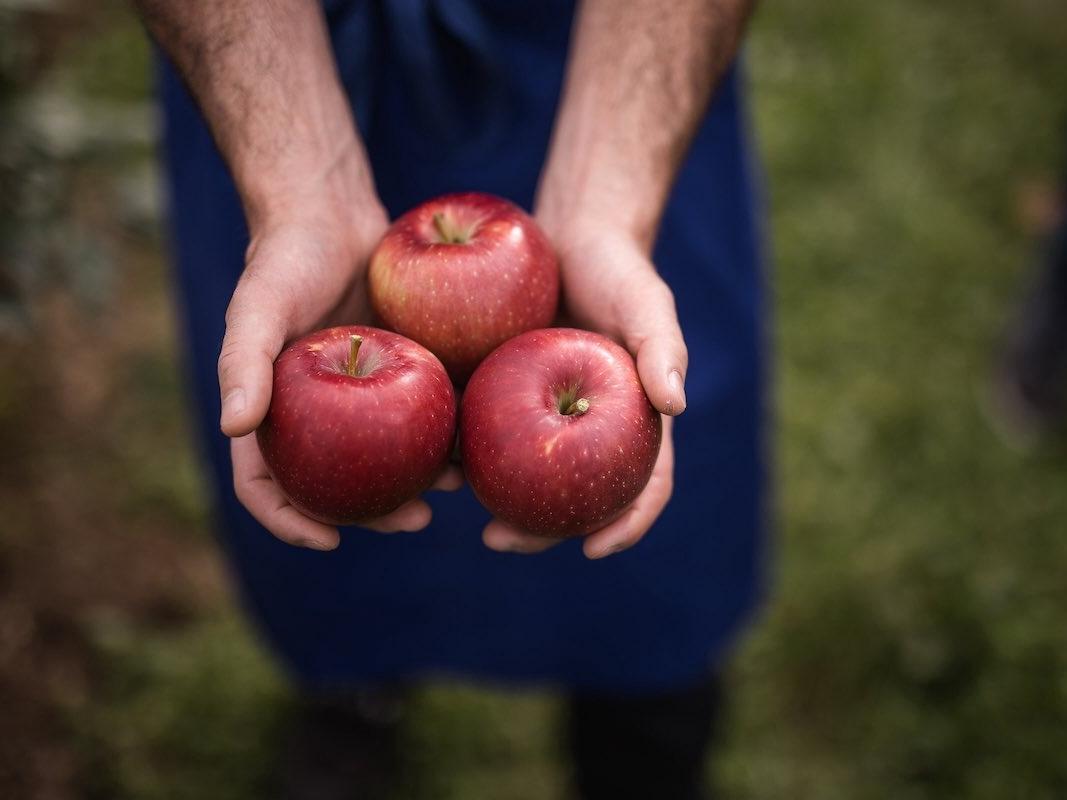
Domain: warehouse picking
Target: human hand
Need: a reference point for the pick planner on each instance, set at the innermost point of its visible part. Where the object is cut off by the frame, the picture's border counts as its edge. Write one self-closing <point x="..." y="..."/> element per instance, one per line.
<point x="611" y="286"/>
<point x="304" y="269"/>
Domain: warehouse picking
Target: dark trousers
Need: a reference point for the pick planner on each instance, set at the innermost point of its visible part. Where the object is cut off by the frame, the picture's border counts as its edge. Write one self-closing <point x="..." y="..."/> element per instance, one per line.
<point x="644" y="748"/>
<point x="346" y="745"/>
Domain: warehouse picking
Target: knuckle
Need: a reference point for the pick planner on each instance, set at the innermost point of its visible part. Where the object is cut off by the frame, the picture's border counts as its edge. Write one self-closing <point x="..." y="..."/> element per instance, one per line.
<point x="683" y="352"/>
<point x="664" y="292"/>
<point x="228" y="358"/>
<point x="257" y="291"/>
<point x="233" y="310"/>
<point x="659" y="292"/>
<point x="239" y="300"/>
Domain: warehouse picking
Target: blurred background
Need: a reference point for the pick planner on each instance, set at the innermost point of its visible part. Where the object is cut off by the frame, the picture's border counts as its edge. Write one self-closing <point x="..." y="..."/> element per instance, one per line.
<point x="916" y="642"/>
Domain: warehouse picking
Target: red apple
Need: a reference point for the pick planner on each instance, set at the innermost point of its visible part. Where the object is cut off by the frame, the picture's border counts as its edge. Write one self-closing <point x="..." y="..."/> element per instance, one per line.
<point x="461" y="275"/>
<point x="556" y="432"/>
<point x="361" y="420"/>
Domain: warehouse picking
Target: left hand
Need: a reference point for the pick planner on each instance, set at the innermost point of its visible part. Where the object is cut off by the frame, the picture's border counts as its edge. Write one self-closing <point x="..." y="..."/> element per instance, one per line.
<point x="611" y="286"/>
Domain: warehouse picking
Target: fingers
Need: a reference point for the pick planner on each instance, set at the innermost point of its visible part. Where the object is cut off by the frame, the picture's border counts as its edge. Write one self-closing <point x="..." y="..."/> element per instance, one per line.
<point x="621" y="534"/>
<point x="258" y="492"/>
<point x="652" y="333"/>
<point x="629" y="529"/>
<point x="264" y="500"/>
<point x="450" y="480"/>
<point x="661" y="365"/>
<point x="414" y="515"/>
<point x="503" y="538"/>
<point x="255" y="332"/>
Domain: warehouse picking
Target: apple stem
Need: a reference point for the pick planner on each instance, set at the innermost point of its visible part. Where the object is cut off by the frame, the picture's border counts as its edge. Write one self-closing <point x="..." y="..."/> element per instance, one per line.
<point x="446" y="231"/>
<point x="354" y="341"/>
<point x="577" y="408"/>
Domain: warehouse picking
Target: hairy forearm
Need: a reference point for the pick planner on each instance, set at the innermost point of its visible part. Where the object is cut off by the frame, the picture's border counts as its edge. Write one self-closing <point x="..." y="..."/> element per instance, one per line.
<point x="263" y="74"/>
<point x="639" y="79"/>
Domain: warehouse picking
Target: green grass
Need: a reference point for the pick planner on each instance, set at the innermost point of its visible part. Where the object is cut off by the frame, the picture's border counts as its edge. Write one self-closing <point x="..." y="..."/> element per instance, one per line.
<point x="191" y="714"/>
<point x="912" y="649"/>
<point x="915" y="645"/>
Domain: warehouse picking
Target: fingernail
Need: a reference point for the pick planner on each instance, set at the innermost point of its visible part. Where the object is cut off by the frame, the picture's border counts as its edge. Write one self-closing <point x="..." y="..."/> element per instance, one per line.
<point x="677" y="385"/>
<point x="315" y="544"/>
<point x="233" y="404"/>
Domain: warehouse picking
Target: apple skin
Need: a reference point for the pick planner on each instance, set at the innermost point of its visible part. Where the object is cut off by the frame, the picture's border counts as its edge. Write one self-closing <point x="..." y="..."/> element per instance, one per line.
<point x="462" y="300"/>
<point x="348" y="448"/>
<point x="544" y="471"/>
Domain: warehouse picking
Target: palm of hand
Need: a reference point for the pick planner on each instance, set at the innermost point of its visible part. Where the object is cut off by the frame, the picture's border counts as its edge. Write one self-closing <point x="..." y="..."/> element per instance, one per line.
<point x="299" y="277"/>
<point x="610" y="286"/>
<point x="294" y="276"/>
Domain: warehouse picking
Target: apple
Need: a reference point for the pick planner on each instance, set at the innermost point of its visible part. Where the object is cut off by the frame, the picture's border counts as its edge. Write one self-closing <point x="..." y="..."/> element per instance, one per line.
<point x="462" y="274"/>
<point x="361" y="420"/>
<point x="556" y="433"/>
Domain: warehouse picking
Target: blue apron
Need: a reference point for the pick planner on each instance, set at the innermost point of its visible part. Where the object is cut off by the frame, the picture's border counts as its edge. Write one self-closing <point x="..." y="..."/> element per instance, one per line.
<point x="461" y="94"/>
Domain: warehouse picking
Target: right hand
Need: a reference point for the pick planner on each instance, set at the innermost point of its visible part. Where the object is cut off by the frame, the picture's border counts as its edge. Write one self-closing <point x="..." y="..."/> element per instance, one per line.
<point x="304" y="270"/>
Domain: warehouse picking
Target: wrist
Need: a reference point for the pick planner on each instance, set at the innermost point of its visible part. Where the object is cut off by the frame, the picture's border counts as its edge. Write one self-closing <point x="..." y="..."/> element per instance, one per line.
<point x="578" y="227"/>
<point x="576" y="209"/>
<point x="336" y="183"/>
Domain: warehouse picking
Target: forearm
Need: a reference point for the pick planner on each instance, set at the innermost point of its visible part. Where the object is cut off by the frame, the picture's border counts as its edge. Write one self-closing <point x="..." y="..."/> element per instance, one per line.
<point x="638" y="82"/>
<point x="264" y="77"/>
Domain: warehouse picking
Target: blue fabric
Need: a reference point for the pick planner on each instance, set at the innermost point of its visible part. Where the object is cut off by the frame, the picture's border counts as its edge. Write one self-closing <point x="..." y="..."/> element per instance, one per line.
<point x="454" y="95"/>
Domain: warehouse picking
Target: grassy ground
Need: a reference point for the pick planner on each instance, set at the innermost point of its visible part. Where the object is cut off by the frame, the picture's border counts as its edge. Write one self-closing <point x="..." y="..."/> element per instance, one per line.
<point x="915" y="646"/>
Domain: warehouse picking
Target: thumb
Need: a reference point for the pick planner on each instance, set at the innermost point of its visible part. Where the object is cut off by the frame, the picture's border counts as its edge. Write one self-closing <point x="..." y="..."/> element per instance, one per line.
<point x="654" y="337"/>
<point x="255" y="332"/>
